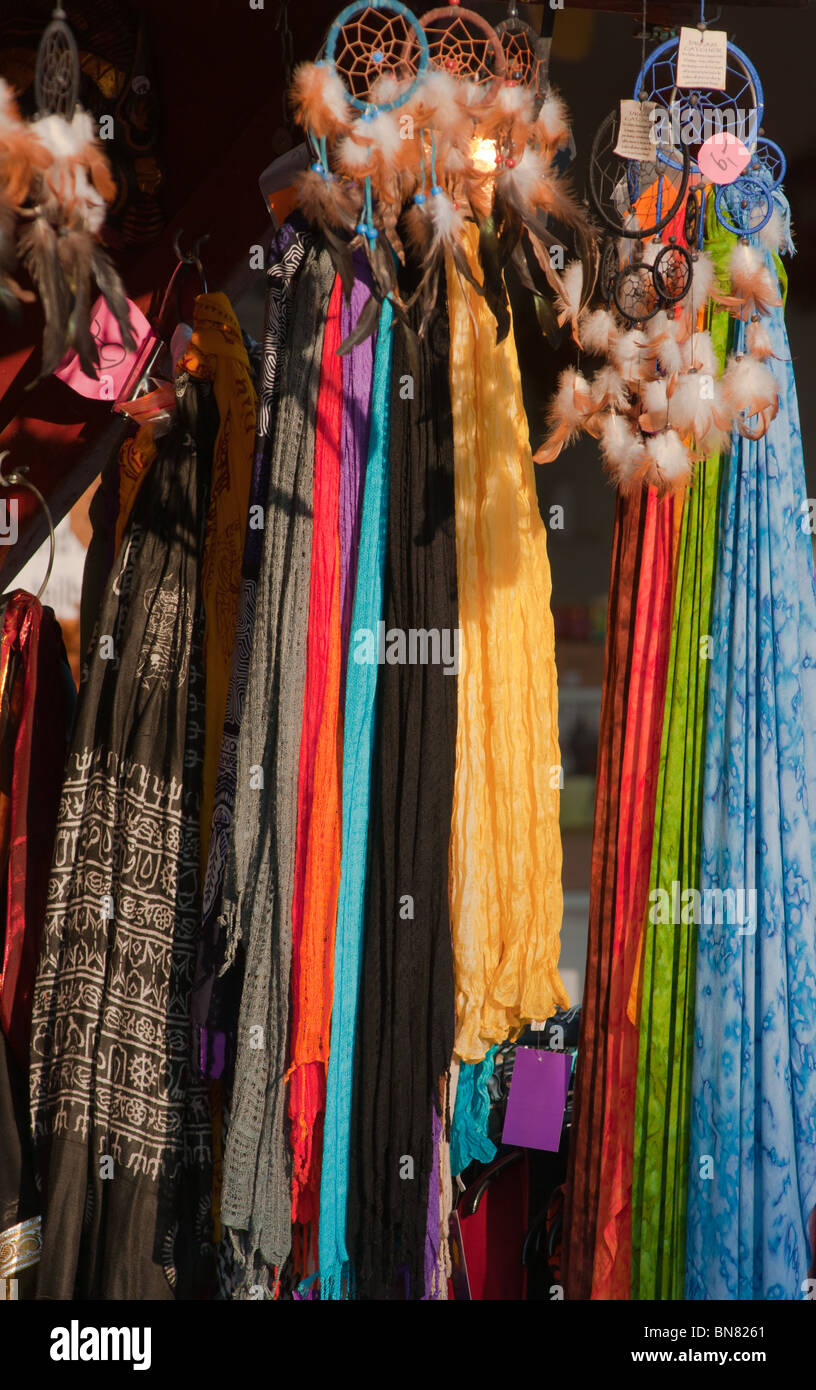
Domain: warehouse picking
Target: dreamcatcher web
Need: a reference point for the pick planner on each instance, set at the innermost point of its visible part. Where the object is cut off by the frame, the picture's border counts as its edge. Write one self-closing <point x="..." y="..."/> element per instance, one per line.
<point x="463" y="44"/>
<point x="371" y="43"/>
<point x="56" y="76"/>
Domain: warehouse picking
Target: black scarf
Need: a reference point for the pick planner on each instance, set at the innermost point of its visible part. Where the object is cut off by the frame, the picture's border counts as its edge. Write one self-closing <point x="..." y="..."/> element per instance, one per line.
<point x="121" y="1124"/>
<point x="406" y="1014"/>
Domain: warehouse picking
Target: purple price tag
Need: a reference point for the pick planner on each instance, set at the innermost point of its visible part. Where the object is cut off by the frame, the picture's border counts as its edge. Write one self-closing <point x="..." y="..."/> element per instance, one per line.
<point x="538" y="1094"/>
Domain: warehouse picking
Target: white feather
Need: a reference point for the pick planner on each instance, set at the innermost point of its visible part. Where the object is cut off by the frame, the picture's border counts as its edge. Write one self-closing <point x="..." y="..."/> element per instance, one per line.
<point x="699" y="352"/>
<point x="670" y="464"/>
<point x="607" y="389"/>
<point x="354" y="157"/>
<point x="627" y="353"/>
<point x="524" y="180"/>
<point x="695" y="404"/>
<point x="704" y="280"/>
<point x="751" y="277"/>
<point x="552" y="122"/>
<point x="447" y="219"/>
<point x="758" y="340"/>
<point x="670" y="353"/>
<point x="438" y="92"/>
<point x="598" y="331"/>
<point x="381" y="131"/>
<point x="568" y="300"/>
<point x="572" y="401"/>
<point x="623" y="450"/>
<point x="654" y="398"/>
<point x="748" y="385"/>
<point x="774" y="235"/>
<point x="514" y="103"/>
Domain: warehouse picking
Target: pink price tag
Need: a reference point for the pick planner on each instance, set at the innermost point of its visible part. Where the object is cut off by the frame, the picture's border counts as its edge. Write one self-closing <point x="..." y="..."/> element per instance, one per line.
<point x="722" y="157"/>
<point x="115" y="362"/>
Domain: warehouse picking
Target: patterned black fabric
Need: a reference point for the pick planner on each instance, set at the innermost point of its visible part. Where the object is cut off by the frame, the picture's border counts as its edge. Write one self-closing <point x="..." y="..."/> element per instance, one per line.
<point x="121" y="1122"/>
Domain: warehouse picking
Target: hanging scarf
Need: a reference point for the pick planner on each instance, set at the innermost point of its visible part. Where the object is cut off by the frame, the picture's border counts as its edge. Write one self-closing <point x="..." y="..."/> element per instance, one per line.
<point x="752" y="1149"/>
<point x="317" y="856"/>
<point x="286" y="258"/>
<point x="635" y="829"/>
<point x="406" y="1019"/>
<point x="506" y="907"/>
<point x="36" y="703"/>
<point x="216" y="353"/>
<point x="37" y="706"/>
<point x="589" y="1115"/>
<point x="112" y="1092"/>
<point x="666" y="973"/>
<point x="358" y="368"/>
<point x="358" y="747"/>
<point x="259" y="875"/>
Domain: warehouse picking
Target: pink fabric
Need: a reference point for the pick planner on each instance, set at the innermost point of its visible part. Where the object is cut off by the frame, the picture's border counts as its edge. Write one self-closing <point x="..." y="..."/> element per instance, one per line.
<point x="638" y="786"/>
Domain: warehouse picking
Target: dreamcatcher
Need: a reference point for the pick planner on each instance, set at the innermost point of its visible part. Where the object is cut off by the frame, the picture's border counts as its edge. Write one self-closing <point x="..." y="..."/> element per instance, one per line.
<point x="660" y="401"/>
<point x="417" y="126"/>
<point x="55" y="184"/>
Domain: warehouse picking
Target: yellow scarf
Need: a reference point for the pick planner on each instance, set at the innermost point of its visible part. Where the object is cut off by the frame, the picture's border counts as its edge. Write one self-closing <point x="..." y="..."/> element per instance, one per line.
<point x="216" y="353"/>
<point x="505" y="849"/>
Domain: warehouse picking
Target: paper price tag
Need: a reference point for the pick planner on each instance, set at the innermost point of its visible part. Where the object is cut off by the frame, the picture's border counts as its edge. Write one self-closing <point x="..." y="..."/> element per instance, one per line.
<point x="636" y="137"/>
<point x="722" y="158"/>
<point x="702" y="58"/>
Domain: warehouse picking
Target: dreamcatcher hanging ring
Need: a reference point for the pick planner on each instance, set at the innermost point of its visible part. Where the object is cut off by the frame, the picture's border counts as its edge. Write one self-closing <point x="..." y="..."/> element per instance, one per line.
<point x="463" y="44"/>
<point x="635" y="293"/>
<point x="525" y="63"/>
<point x="740" y="220"/>
<point x="609" y="268"/>
<point x="672" y="271"/>
<point x="691" y="226"/>
<point x="769" y="159"/>
<point x="368" y="41"/>
<point x="57" y="72"/>
<point x="635" y="198"/>
<point x="743" y="96"/>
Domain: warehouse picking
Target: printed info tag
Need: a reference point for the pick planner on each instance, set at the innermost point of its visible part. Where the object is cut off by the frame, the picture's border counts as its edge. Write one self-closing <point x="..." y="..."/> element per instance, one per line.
<point x="636" y="138"/>
<point x="702" y="58"/>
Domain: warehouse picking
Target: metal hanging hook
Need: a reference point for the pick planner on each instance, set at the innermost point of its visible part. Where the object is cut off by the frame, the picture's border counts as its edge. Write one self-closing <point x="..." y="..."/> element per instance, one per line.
<point x="194" y="257"/>
<point x="17" y="479"/>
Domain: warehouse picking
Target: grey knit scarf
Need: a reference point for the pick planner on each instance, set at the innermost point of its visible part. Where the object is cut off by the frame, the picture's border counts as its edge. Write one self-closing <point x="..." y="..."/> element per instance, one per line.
<point x="257" y="902"/>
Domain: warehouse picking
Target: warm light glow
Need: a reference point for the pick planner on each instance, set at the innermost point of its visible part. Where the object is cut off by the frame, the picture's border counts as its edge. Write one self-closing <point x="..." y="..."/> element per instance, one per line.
<point x="483" y="155"/>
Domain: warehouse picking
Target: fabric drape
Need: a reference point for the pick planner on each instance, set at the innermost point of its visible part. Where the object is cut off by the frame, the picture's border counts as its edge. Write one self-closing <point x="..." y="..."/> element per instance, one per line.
<point x="358" y="747"/>
<point x="635" y="827"/>
<point x="358" y="369"/>
<point x="582" y="1192"/>
<point x="666" y="979"/>
<point x="259" y="875"/>
<point x="317" y="857"/>
<point x="121" y="1123"/>
<point x="752" y="1148"/>
<point x="506" y="906"/>
<point x="286" y="258"/>
<point x="406" y="1014"/>
<point x="216" y="353"/>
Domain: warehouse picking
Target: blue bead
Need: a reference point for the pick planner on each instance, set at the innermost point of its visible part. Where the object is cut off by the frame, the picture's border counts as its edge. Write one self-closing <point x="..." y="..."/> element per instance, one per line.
<point x="361" y="227"/>
<point x="419" y="198"/>
<point x="436" y="188"/>
<point x="317" y="167"/>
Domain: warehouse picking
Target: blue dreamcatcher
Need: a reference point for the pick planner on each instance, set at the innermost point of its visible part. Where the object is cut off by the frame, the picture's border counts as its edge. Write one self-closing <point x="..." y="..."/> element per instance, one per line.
<point x="690" y="115"/>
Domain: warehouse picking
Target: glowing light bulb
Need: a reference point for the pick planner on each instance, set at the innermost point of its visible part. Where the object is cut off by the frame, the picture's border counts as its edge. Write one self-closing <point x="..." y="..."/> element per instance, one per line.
<point x="483" y="155"/>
